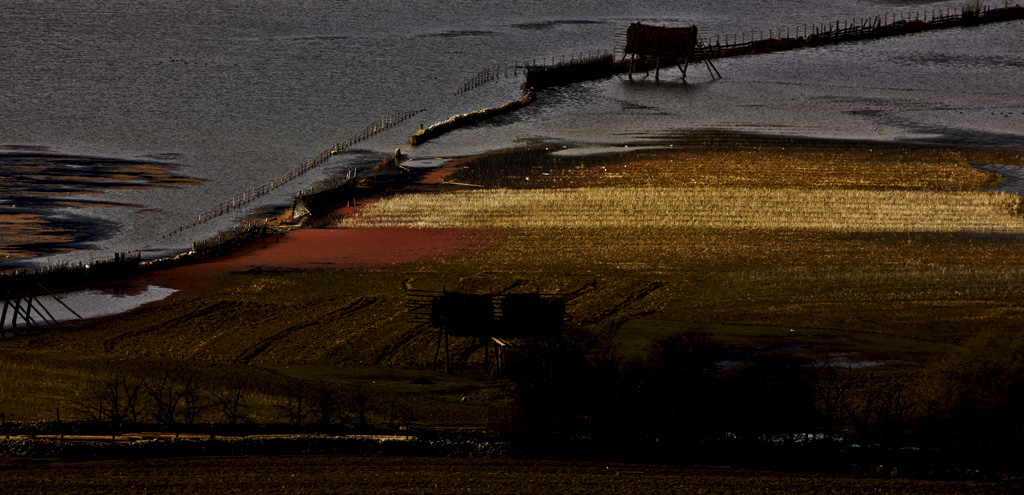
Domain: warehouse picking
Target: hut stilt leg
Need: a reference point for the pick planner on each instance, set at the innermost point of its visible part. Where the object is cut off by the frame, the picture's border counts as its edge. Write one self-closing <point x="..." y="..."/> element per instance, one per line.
<point x="447" y="358"/>
<point x="16" y="307"/>
<point x="437" y="352"/>
<point x="711" y="67"/>
<point x="487" y="352"/>
<point x="3" y="315"/>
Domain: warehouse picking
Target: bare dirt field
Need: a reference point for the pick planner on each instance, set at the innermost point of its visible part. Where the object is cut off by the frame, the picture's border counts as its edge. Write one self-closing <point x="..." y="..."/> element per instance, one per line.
<point x="385" y="475"/>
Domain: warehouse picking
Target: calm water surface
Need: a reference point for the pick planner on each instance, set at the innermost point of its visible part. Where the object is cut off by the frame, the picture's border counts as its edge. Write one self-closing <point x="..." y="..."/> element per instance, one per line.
<point x="239" y="92"/>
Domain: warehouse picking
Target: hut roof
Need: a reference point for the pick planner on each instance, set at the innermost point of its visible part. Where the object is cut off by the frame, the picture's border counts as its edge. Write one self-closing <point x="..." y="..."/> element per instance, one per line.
<point x="661" y="41"/>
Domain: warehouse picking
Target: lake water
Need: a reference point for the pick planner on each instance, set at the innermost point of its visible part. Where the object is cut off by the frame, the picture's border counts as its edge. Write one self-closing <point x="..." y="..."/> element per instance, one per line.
<point x="236" y="93"/>
<point x="85" y="304"/>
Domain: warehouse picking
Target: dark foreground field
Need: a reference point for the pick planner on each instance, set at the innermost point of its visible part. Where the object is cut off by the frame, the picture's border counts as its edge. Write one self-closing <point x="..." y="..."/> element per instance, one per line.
<point x="384" y="475"/>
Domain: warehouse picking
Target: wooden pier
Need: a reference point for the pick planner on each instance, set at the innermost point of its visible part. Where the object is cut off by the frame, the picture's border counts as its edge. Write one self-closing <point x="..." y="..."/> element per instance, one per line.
<point x="22" y="305"/>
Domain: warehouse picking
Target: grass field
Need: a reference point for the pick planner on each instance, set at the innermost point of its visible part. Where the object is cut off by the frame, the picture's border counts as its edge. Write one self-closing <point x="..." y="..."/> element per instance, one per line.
<point x="879" y="253"/>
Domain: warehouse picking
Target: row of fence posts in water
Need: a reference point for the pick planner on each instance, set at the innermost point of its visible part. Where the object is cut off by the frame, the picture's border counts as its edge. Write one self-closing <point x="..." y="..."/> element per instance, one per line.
<point x="490" y="74"/>
<point x="65" y="274"/>
<point x="837" y="29"/>
<point x="514" y="69"/>
<point x="485" y="76"/>
<point x="252" y="194"/>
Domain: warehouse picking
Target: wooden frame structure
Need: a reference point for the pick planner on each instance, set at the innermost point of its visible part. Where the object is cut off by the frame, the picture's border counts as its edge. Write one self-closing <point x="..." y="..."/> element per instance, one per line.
<point x="21" y="303"/>
<point x="678" y="44"/>
<point x="498" y="321"/>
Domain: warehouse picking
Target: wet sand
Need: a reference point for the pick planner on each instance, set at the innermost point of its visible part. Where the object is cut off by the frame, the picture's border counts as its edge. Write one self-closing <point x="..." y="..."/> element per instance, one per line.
<point x="40" y="185"/>
<point x="22" y="232"/>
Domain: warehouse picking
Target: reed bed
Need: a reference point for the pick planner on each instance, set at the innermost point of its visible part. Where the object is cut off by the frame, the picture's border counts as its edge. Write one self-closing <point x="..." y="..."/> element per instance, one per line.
<point x="839" y="210"/>
<point x="715" y="159"/>
<point x="945" y="170"/>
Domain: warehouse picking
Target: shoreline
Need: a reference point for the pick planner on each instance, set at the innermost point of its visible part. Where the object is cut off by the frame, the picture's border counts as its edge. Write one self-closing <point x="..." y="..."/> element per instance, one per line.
<point x="26" y="258"/>
<point x="306" y="244"/>
<point x="284" y="245"/>
<point x="276" y="246"/>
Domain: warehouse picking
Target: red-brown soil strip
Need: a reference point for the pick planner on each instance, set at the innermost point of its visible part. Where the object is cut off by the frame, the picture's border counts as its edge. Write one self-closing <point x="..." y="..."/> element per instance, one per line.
<point x="325" y="249"/>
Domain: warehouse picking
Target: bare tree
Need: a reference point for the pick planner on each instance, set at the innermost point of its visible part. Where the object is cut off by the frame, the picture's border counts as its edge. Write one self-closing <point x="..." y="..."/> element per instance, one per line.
<point x="162" y="392"/>
<point x="194" y="401"/>
<point x="297" y="407"/>
<point x="325" y="406"/>
<point x="233" y="400"/>
<point x="176" y="396"/>
<point x="362" y="400"/>
<point x="835" y="389"/>
<point x="114" y="400"/>
<point x="403" y="414"/>
<point x="887" y="409"/>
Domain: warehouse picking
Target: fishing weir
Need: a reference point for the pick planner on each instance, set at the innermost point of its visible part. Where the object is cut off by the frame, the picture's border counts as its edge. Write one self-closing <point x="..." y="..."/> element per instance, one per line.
<point x="849" y="30"/>
<point x="640" y="48"/>
<point x="680" y="42"/>
<point x="644" y="47"/>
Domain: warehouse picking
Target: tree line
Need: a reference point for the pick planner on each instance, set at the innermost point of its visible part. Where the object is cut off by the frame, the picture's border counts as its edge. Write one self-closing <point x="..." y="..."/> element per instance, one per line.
<point x="688" y="400"/>
<point x="179" y="398"/>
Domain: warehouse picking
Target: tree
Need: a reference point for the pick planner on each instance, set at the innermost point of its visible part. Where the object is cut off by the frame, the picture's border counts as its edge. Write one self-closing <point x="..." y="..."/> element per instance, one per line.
<point x="678" y="396"/>
<point x="772" y="397"/>
<point x="233" y="399"/>
<point x="297" y="407"/>
<point x="887" y="410"/>
<point x="976" y="398"/>
<point x="163" y="394"/>
<point x="558" y="385"/>
<point x="113" y="400"/>
<point x="325" y="406"/>
<point x="362" y="401"/>
<point x="835" y="391"/>
<point x="176" y="395"/>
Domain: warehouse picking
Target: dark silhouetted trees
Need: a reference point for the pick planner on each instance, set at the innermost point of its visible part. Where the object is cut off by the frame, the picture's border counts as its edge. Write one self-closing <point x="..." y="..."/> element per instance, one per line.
<point x="975" y="399"/>
<point x="674" y="394"/>
<point x="114" y="401"/>
<point x="771" y="397"/>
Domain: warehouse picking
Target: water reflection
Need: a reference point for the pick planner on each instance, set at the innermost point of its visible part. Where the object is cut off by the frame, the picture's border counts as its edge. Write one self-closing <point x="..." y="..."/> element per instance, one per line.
<point x="91" y="303"/>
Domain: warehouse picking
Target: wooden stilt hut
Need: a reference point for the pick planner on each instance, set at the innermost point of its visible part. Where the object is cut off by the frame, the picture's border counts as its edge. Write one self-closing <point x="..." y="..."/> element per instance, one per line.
<point x="661" y="44"/>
